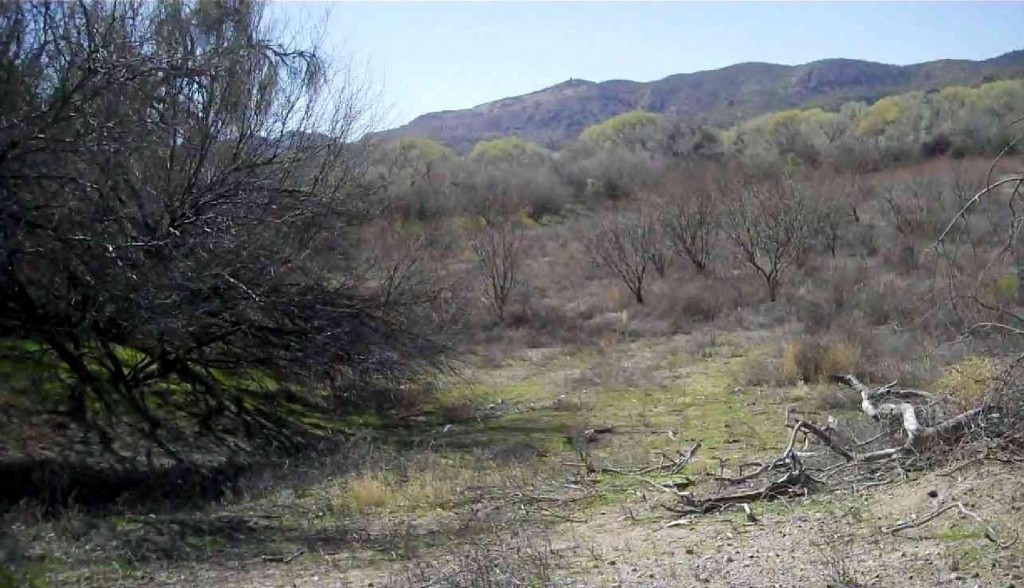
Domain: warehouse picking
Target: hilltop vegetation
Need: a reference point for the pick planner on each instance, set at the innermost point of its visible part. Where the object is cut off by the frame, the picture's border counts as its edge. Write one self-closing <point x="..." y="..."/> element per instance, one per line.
<point x="632" y="152"/>
<point x="555" y="116"/>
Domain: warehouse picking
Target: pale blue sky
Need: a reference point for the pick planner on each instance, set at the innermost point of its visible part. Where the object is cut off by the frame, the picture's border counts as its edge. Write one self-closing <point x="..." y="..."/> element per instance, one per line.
<point x="429" y="56"/>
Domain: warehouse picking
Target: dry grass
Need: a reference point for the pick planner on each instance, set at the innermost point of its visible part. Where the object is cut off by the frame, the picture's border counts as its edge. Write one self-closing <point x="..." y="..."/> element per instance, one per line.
<point x="456" y="407"/>
<point x="509" y="559"/>
<point x="363" y="494"/>
<point x="812" y="360"/>
<point x="428" y="481"/>
<point x="966" y="383"/>
<point x="444" y="506"/>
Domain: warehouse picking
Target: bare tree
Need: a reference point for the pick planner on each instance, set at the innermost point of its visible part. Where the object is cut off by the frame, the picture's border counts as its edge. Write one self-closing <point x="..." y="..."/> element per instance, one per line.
<point x="692" y="218"/>
<point x="626" y="244"/>
<point x="497" y="248"/>
<point x="836" y="199"/>
<point x="771" y="222"/>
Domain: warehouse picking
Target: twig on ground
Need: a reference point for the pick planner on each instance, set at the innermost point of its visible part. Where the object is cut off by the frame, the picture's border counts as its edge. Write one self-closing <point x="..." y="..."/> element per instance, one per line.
<point x="281" y="558"/>
<point x="990" y="533"/>
<point x="952" y="470"/>
<point x="675" y="466"/>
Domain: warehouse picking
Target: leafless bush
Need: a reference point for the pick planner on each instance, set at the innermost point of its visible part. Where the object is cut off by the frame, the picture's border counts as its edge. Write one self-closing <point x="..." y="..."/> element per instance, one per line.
<point x="833" y="549"/>
<point x="497" y="249"/>
<point x="691" y="220"/>
<point x="696" y="299"/>
<point x="626" y="244"/>
<point x="837" y="199"/>
<point x="771" y="222"/>
<point x="983" y="289"/>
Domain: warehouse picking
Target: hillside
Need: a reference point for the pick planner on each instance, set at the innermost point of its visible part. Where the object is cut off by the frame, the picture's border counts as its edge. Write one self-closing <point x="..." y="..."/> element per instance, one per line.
<point x="556" y="115"/>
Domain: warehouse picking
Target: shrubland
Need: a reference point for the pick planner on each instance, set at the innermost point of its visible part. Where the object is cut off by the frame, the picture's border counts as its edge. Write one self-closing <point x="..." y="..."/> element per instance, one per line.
<point x="203" y="269"/>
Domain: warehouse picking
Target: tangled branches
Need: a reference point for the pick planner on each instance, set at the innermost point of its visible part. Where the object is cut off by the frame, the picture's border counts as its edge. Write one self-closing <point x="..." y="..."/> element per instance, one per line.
<point x="920" y="427"/>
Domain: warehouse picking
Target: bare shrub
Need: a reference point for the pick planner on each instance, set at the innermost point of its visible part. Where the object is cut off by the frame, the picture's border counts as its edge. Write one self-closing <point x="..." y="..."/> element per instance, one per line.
<point x="401" y="263"/>
<point x="888" y="355"/>
<point x="691" y="220"/>
<point x="889" y="300"/>
<point x="838" y="199"/>
<point x="497" y="249"/>
<point x="836" y="399"/>
<point x="760" y="371"/>
<point x="1007" y="395"/>
<point x="696" y="299"/>
<point x="771" y="223"/>
<point x="827" y="296"/>
<point x="456" y="409"/>
<point x="833" y="551"/>
<point x="702" y="301"/>
<point x="626" y="244"/>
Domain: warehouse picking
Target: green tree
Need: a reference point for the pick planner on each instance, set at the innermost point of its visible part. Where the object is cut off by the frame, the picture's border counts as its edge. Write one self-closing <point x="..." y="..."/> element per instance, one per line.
<point x="636" y="131"/>
<point x="508" y="151"/>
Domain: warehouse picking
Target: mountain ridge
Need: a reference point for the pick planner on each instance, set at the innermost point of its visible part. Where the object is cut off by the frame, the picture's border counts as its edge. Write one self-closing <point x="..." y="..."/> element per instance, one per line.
<point x="555" y="115"/>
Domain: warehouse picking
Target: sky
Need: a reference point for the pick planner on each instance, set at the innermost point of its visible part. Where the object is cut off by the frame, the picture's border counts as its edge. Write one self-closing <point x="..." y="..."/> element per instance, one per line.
<point x="428" y="56"/>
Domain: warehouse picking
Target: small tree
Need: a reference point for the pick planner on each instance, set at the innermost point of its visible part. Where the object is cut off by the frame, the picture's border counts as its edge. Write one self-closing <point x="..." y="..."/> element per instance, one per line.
<point x="771" y="222"/>
<point x="692" y="220"/>
<point x="627" y="245"/>
<point x="497" y="248"/>
<point x="836" y="199"/>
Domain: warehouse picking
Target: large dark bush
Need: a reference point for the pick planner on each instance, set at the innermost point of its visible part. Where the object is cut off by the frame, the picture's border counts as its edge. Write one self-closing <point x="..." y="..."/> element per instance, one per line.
<point x="178" y="193"/>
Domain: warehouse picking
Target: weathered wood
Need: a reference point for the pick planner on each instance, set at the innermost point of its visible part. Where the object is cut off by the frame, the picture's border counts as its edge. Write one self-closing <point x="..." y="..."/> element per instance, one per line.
<point x="917" y="434"/>
<point x="794" y="483"/>
<point x="885" y="402"/>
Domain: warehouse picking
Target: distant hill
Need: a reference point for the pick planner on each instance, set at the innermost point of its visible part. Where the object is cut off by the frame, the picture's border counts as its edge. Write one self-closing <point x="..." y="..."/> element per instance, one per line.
<point x="556" y="115"/>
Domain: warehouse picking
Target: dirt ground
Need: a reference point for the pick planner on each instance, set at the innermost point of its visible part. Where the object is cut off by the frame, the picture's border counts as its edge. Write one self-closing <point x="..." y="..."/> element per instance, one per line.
<point x="805" y="543"/>
<point x="499" y="498"/>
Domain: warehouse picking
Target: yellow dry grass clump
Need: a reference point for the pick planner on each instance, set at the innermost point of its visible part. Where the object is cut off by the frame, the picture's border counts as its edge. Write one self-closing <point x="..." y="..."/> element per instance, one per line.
<point x="967" y="382"/>
<point x="363" y="494"/>
<point x="428" y="483"/>
<point x="813" y="360"/>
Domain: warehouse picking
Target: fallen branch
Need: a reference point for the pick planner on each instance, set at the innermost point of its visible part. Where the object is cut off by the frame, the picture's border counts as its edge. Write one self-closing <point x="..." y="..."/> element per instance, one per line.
<point x="917" y="434"/>
<point x="673" y="488"/>
<point x="990" y="533"/>
<point x="824" y="438"/>
<point x="283" y="559"/>
<point x="794" y="483"/>
<point x="673" y="468"/>
<point x="676" y="466"/>
<point x="887" y="465"/>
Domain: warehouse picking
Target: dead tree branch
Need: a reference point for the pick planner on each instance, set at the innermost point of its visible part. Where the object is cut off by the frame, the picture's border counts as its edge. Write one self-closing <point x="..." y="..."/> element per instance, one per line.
<point x="917" y="434"/>
<point x="990" y="533"/>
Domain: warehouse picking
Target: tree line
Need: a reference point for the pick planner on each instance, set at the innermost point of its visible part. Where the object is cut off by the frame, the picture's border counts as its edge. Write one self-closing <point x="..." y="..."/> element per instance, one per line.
<point x="632" y="152"/>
